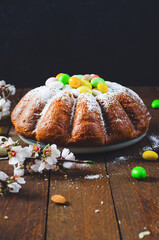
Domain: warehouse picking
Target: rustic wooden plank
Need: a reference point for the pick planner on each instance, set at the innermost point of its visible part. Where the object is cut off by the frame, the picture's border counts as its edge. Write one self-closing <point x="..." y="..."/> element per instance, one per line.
<point x="136" y="202"/>
<point x="26" y="210"/>
<point x="28" y="219"/>
<point x="78" y="219"/>
<point x="149" y="94"/>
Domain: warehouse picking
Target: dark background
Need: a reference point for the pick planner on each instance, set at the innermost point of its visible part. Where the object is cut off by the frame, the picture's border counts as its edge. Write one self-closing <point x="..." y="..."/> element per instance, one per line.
<point x="118" y="40"/>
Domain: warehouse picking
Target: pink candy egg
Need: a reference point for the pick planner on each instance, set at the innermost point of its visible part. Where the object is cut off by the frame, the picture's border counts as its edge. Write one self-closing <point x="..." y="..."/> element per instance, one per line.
<point x="50" y="80"/>
<point x="94" y="76"/>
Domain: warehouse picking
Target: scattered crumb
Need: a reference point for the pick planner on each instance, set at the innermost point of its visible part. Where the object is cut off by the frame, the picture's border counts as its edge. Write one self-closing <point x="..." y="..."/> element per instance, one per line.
<point x="46" y="179"/>
<point x="119" y="159"/>
<point x="145" y="227"/>
<point x="143" y="234"/>
<point x="107" y="176"/>
<point x="146" y="148"/>
<point x="154" y="141"/>
<point x="101" y="202"/>
<point x="119" y="222"/>
<point x="6" y="217"/>
<point x="76" y="187"/>
<point x="93" y="176"/>
<point x="97" y="186"/>
<point x="65" y="176"/>
<point x="55" y="180"/>
<point x="58" y="199"/>
<point x="96" y="210"/>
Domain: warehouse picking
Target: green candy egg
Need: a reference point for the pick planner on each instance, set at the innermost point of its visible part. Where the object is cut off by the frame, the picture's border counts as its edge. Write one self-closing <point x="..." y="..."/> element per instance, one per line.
<point x="64" y="78"/>
<point x="97" y="80"/>
<point x="155" y="104"/>
<point x="138" y="173"/>
<point x="78" y="76"/>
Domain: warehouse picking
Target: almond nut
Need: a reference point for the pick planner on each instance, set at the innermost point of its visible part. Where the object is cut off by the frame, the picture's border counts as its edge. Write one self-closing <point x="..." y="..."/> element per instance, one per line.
<point x="58" y="199"/>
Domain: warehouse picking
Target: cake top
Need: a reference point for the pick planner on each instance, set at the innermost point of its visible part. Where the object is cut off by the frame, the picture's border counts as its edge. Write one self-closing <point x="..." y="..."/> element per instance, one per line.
<point x="77" y="84"/>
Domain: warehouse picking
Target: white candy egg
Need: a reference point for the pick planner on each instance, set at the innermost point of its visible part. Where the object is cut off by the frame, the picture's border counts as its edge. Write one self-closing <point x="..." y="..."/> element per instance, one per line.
<point x="67" y="87"/>
<point x="96" y="92"/>
<point x="50" y="80"/>
<point x="56" y="84"/>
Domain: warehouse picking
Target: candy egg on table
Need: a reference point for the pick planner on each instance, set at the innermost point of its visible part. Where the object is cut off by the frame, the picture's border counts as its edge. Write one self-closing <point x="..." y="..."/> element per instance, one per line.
<point x="74" y="82"/>
<point x="102" y="87"/>
<point x="150" y="155"/>
<point x="83" y="89"/>
<point x="50" y="80"/>
<point x="86" y="77"/>
<point x="64" y="78"/>
<point x="3" y="152"/>
<point x="155" y="103"/>
<point x="58" y="75"/>
<point x="56" y="84"/>
<point x="86" y="83"/>
<point x="95" y="92"/>
<point x="97" y="80"/>
<point x="138" y="172"/>
<point x="3" y="139"/>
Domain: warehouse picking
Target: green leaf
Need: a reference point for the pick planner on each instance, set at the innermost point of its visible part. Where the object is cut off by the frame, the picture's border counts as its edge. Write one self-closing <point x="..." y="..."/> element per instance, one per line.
<point x="90" y="162"/>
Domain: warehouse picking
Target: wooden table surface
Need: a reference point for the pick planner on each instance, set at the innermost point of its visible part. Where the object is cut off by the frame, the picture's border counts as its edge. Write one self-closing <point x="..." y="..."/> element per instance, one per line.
<point x="126" y="206"/>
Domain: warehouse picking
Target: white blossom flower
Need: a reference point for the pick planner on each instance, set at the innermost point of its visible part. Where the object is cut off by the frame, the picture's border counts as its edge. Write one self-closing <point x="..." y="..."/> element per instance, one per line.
<point x="18" y="155"/>
<point x="35" y="167"/>
<point x="35" y="149"/>
<point x="12" y="89"/>
<point x="50" y="154"/>
<point x="14" y="187"/>
<point x="66" y="154"/>
<point x="68" y="165"/>
<point x="8" y="143"/>
<point x="19" y="171"/>
<point x="19" y="179"/>
<point x="45" y="165"/>
<point x="2" y="82"/>
<point x="3" y="176"/>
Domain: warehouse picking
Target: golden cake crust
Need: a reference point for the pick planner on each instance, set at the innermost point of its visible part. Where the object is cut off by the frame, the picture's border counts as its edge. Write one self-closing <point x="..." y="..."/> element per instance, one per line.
<point x="67" y="120"/>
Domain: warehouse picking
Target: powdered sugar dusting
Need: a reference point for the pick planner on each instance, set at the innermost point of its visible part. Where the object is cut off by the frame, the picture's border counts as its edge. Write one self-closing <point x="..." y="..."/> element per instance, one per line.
<point x="146" y="148"/>
<point x="114" y="86"/>
<point x="92" y="105"/>
<point x="119" y="159"/>
<point x="154" y="141"/>
<point x="96" y="176"/>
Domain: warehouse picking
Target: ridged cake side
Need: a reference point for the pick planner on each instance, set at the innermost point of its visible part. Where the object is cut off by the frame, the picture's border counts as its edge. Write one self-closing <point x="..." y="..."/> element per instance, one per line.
<point x="60" y="118"/>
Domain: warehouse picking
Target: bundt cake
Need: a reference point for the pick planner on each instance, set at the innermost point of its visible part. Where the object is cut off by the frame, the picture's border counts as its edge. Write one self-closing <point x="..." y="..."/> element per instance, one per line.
<point x="68" y="116"/>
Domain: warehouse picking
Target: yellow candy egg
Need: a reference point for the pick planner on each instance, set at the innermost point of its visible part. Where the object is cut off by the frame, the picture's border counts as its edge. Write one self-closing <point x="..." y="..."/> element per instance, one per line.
<point x="150" y="155"/>
<point x="83" y="89"/>
<point x="74" y="82"/>
<point x="86" y="84"/>
<point x="58" y="75"/>
<point x="102" y="87"/>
